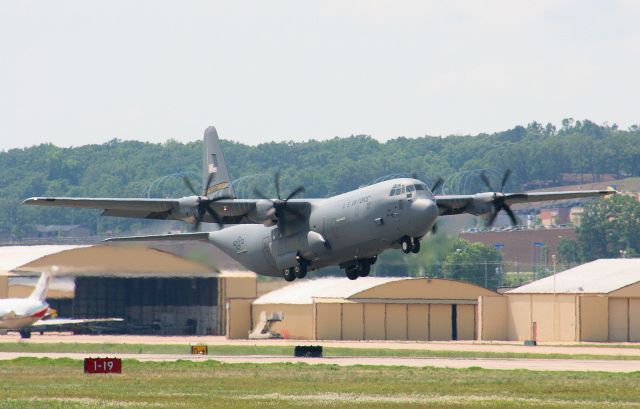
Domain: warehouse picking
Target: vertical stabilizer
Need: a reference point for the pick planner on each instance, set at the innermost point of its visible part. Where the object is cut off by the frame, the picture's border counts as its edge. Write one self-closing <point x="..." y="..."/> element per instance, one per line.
<point x="40" y="292"/>
<point x="213" y="163"/>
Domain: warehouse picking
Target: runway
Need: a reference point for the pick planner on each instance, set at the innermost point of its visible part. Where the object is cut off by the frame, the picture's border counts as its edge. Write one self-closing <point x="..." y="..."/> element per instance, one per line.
<point x="486" y="363"/>
<point x="569" y="348"/>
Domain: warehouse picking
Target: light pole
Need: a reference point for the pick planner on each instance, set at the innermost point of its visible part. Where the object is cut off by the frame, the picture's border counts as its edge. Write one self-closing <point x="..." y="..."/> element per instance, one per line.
<point x="498" y="247"/>
<point x="537" y="251"/>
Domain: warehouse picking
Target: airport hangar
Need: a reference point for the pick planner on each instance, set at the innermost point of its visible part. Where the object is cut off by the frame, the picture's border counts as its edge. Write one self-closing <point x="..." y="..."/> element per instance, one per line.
<point x="369" y="308"/>
<point x="161" y="292"/>
<point x="595" y="302"/>
<point x="155" y="290"/>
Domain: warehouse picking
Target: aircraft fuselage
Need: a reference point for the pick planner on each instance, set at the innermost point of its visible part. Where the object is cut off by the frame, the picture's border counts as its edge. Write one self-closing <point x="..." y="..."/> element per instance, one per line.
<point x="342" y="229"/>
<point x="16" y="313"/>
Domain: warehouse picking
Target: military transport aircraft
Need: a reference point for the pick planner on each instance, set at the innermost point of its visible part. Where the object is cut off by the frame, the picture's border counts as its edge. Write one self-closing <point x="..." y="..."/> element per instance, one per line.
<point x="289" y="236"/>
<point x="26" y="314"/>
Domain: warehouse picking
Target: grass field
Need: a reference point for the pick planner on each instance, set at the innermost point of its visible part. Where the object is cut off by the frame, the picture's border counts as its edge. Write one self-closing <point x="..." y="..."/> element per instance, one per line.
<point x="60" y="383"/>
<point x="108" y="348"/>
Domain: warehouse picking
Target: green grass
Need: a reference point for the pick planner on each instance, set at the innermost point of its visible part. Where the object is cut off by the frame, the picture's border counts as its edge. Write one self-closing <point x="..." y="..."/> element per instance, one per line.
<point x="113" y="348"/>
<point x="60" y="383"/>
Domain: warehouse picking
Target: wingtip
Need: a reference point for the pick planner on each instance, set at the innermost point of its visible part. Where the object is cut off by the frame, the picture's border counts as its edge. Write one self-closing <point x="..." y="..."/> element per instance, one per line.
<point x="35" y="200"/>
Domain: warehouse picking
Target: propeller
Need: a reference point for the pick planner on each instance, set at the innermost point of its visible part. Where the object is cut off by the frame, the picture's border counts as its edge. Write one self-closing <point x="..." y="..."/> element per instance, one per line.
<point x="499" y="199"/>
<point x="435" y="187"/>
<point x="204" y="203"/>
<point x="281" y="205"/>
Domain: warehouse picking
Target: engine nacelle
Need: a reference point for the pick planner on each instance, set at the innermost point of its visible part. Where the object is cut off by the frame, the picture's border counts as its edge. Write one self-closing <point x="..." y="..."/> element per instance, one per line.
<point x="187" y="208"/>
<point x="264" y="213"/>
<point x="482" y="204"/>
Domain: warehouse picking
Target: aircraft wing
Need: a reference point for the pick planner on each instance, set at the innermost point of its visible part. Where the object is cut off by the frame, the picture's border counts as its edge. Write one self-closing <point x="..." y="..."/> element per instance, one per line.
<point x="57" y="322"/>
<point x="230" y="211"/>
<point x="481" y="203"/>
<point x="137" y="208"/>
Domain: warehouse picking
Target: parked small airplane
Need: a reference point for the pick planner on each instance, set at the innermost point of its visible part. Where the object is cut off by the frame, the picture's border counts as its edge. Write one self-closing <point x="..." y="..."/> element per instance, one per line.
<point x="274" y="236"/>
<point x="26" y="314"/>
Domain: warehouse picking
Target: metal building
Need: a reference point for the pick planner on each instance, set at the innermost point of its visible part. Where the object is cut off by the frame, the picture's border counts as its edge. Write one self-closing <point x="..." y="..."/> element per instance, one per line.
<point x="369" y="308"/>
<point x="597" y="301"/>
<point x="155" y="291"/>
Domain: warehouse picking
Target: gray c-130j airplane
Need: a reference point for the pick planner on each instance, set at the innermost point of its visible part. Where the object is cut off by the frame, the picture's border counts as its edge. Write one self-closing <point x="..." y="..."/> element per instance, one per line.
<point x="274" y="236"/>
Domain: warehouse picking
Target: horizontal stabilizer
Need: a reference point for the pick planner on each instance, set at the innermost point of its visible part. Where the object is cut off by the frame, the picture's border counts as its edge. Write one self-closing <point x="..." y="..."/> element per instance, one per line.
<point x="199" y="236"/>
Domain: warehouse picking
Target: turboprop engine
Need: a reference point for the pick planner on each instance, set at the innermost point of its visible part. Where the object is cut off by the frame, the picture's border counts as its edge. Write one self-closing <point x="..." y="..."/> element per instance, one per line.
<point x="272" y="211"/>
<point x="187" y="209"/>
<point x="491" y="203"/>
<point x="264" y="212"/>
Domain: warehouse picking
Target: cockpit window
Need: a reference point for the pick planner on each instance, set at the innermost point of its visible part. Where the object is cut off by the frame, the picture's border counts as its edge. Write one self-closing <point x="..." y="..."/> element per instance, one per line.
<point x="410" y="188"/>
<point x="419" y="187"/>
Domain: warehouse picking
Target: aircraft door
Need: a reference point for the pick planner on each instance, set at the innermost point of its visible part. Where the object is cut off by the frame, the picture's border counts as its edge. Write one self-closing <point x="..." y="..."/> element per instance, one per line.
<point x="394" y="213"/>
<point x="334" y="228"/>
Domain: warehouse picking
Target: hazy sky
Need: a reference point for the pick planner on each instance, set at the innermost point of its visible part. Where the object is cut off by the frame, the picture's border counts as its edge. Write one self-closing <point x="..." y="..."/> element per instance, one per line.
<point x="78" y="72"/>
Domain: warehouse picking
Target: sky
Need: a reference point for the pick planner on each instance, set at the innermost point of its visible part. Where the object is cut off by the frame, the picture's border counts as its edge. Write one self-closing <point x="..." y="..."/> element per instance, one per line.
<point x="80" y="72"/>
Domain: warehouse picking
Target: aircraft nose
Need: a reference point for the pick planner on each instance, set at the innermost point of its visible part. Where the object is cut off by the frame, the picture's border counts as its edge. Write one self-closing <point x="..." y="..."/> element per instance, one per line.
<point x="423" y="216"/>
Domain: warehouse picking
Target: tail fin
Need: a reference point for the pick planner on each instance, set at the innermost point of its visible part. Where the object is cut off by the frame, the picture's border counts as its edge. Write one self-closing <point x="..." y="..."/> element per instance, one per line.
<point x="213" y="163"/>
<point x="40" y="292"/>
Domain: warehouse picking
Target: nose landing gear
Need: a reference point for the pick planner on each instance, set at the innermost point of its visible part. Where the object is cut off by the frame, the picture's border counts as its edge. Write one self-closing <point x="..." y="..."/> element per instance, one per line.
<point x="410" y="245"/>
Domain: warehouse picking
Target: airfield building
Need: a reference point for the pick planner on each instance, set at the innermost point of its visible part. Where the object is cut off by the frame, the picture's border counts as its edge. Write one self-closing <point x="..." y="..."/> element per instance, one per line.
<point x="370" y="308"/>
<point x="155" y="291"/>
<point x="596" y="302"/>
<point x="168" y="293"/>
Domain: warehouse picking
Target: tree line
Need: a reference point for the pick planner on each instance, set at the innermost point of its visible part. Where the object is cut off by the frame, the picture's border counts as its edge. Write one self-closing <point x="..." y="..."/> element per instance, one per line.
<point x="539" y="155"/>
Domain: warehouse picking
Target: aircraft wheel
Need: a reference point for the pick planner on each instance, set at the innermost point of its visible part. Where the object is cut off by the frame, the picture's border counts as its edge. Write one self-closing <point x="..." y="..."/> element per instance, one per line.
<point x="406" y="245"/>
<point x="290" y="274"/>
<point x="352" y="273"/>
<point x="416" y="246"/>
<point x="25" y="334"/>
<point x="365" y="268"/>
<point x="301" y="268"/>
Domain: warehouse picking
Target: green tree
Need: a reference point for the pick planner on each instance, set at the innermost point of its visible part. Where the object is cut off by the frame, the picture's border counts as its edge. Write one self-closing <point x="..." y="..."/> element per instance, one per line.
<point x="568" y="251"/>
<point x="537" y="156"/>
<point x="476" y="263"/>
<point x="609" y="227"/>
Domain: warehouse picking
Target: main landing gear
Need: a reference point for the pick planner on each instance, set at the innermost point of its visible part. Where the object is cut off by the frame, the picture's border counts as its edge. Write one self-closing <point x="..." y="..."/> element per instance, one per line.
<point x="298" y="271"/>
<point x="360" y="268"/>
<point x="410" y="245"/>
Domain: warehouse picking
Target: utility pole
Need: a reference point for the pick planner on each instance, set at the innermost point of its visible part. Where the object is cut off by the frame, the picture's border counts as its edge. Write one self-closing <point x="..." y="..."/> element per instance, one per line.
<point x="486" y="276"/>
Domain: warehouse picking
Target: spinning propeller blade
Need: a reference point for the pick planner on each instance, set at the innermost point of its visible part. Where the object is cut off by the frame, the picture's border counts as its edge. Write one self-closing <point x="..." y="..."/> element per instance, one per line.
<point x="499" y="200"/>
<point x="280" y="205"/>
<point x="204" y="203"/>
